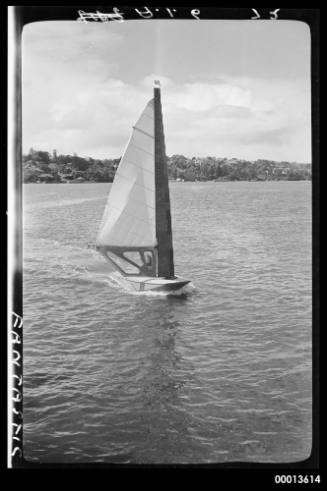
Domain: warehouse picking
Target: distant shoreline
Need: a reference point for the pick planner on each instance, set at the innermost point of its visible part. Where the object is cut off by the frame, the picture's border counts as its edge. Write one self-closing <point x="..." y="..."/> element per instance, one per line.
<point x="180" y="182"/>
<point x="40" y="166"/>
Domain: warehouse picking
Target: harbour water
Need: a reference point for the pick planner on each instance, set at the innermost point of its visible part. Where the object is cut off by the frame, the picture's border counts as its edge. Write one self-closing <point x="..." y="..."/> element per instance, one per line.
<point x="221" y="373"/>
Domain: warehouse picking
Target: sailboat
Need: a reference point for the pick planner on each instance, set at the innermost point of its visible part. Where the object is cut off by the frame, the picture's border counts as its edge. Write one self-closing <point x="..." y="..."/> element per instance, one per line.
<point x="135" y="233"/>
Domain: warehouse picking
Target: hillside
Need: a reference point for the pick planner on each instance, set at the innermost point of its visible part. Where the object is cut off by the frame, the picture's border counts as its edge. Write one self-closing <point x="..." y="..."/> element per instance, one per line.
<point x="41" y="166"/>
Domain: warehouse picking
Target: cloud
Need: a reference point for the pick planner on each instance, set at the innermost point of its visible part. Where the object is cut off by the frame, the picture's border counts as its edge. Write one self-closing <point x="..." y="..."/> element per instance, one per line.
<point x="241" y="117"/>
<point x="69" y="41"/>
<point x="74" y="101"/>
<point x="199" y="97"/>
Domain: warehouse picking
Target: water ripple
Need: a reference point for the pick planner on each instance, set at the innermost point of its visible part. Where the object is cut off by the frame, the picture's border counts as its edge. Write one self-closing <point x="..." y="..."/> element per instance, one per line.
<point x="220" y="373"/>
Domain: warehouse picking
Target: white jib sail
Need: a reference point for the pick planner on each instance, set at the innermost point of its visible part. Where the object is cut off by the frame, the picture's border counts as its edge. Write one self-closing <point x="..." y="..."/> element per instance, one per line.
<point x="129" y="216"/>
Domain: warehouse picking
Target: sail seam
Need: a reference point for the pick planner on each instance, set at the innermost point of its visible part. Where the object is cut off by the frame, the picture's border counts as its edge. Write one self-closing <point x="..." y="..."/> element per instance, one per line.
<point x="144" y="132"/>
<point x="133" y="163"/>
<point x="131" y="235"/>
<point x="142" y="149"/>
<point x="135" y="183"/>
<point x="127" y="248"/>
<point x="148" y="116"/>
<point x="129" y="213"/>
<point x="146" y="205"/>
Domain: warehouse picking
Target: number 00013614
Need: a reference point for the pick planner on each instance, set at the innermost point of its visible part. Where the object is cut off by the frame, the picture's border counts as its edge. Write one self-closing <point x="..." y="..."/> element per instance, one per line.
<point x="299" y="479"/>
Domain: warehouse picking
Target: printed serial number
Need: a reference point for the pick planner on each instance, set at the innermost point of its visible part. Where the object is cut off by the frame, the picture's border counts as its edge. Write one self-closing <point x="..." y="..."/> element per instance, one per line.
<point x="293" y="478"/>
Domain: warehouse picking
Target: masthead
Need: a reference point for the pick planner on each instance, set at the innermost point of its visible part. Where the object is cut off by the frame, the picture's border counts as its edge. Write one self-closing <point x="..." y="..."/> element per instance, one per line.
<point x="157" y="83"/>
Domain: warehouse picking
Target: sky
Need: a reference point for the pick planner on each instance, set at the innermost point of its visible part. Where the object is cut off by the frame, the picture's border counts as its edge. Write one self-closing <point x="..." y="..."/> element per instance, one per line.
<point x="229" y="88"/>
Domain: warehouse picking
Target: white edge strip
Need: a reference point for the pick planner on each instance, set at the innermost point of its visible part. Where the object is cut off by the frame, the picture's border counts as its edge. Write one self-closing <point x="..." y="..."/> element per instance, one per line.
<point x="10" y="211"/>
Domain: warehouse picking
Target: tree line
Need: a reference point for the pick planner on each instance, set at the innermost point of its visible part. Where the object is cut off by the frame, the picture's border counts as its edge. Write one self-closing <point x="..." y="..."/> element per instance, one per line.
<point x="42" y="166"/>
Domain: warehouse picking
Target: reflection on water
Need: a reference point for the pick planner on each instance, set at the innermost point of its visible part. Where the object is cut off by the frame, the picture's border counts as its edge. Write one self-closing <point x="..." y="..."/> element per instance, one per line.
<point x="220" y="373"/>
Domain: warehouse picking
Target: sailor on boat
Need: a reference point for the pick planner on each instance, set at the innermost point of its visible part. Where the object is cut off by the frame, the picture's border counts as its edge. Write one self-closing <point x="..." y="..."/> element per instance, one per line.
<point x="147" y="267"/>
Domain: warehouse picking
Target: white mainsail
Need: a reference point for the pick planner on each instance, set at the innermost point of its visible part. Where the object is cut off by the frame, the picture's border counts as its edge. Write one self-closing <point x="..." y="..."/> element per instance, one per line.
<point x="129" y="216"/>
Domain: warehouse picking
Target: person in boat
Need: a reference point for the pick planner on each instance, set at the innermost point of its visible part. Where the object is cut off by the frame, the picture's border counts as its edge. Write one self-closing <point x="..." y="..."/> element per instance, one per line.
<point x="147" y="266"/>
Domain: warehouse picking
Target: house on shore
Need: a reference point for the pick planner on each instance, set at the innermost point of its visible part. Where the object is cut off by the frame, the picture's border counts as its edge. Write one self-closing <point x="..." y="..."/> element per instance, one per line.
<point x="46" y="178"/>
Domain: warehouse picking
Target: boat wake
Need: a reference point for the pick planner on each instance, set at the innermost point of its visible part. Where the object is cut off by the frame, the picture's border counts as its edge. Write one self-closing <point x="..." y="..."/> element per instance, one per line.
<point x="183" y="292"/>
<point x="114" y="281"/>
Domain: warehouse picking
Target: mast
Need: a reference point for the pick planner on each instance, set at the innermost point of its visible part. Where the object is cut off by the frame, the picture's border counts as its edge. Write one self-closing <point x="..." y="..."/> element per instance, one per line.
<point x="162" y="200"/>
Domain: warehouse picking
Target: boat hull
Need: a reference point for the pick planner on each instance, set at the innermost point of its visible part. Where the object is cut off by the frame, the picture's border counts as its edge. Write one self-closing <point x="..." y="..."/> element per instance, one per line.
<point x="143" y="283"/>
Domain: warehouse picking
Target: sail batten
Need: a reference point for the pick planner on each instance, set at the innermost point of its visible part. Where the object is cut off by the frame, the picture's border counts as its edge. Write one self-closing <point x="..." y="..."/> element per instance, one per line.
<point x="142" y="150"/>
<point x="143" y="168"/>
<point x="136" y="184"/>
<point x="148" y="116"/>
<point x="144" y="132"/>
<point x="130" y="214"/>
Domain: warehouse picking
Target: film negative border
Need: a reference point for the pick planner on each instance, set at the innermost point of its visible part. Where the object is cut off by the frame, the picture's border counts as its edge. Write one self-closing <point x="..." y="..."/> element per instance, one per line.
<point x="20" y="16"/>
